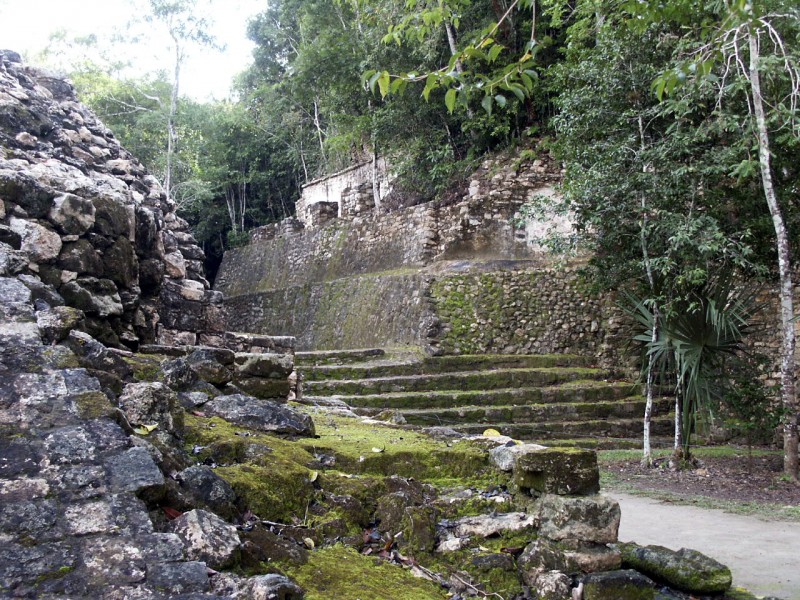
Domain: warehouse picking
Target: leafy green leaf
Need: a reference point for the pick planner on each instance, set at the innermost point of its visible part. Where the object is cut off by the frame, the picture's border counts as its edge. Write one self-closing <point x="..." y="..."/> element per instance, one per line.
<point x="487" y="103"/>
<point x="450" y="100"/>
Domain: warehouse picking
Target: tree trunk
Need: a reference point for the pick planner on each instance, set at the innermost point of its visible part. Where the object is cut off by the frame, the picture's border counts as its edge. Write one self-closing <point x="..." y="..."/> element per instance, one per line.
<point x="172" y="134"/>
<point x="788" y="342"/>
<point x="677" y="449"/>
<point x="647" y="459"/>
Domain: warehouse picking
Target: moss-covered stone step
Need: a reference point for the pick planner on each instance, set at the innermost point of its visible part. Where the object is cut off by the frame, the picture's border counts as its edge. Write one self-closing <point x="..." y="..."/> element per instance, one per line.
<point x="539" y="414"/>
<point x="573" y="391"/>
<point x="337" y="357"/>
<point x="584" y="429"/>
<point x="442" y="364"/>
<point x="472" y="380"/>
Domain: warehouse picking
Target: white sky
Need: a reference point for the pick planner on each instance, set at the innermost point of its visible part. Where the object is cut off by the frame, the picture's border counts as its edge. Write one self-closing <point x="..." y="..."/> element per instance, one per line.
<point x="25" y="27"/>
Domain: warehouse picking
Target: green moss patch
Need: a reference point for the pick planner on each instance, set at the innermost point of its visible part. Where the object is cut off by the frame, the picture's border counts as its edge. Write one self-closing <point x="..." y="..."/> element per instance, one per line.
<point x="381" y="450"/>
<point x="342" y="573"/>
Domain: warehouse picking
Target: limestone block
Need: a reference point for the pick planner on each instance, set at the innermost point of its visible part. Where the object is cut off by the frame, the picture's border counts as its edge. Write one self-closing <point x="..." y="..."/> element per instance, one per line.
<point x="56" y="323"/>
<point x="205" y="489"/>
<point x="205" y="364"/>
<point x="553" y="585"/>
<point x="504" y="457"/>
<point x="135" y="471"/>
<point x="179" y="578"/>
<point x="572" y="558"/>
<point x="150" y="404"/>
<point x="38" y="242"/>
<point x="175" y="265"/>
<point x="271" y="366"/>
<point x="72" y="214"/>
<point x="207" y="538"/>
<point x="82" y="258"/>
<point x="93" y="296"/>
<point x="583" y="518"/>
<point x="627" y="584"/>
<point x="120" y="263"/>
<point x="557" y="471"/>
<point x="263" y="415"/>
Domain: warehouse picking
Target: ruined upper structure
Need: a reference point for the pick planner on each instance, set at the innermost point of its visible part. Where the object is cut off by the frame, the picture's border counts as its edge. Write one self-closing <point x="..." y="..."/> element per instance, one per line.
<point x="345" y="194"/>
<point x="80" y="214"/>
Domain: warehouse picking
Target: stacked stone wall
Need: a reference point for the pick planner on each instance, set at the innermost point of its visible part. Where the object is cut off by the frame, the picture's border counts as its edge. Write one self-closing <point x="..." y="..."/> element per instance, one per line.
<point x="80" y="214"/>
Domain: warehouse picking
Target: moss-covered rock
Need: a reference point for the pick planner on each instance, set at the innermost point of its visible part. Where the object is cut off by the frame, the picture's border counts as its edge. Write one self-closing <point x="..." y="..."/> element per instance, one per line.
<point x="687" y="570"/>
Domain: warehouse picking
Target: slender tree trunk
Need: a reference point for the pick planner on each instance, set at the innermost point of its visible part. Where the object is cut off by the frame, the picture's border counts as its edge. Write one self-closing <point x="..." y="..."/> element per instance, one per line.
<point x="451" y="41"/>
<point x="318" y="125"/>
<point x="172" y="134"/>
<point x="647" y="458"/>
<point x="677" y="449"/>
<point x="788" y="394"/>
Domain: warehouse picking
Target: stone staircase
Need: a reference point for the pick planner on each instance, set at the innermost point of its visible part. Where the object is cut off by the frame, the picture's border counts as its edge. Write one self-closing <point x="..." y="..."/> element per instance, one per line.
<point x="529" y="397"/>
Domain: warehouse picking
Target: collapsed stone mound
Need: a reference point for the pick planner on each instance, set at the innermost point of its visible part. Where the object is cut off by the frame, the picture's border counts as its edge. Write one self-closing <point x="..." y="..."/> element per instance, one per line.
<point x="81" y="215"/>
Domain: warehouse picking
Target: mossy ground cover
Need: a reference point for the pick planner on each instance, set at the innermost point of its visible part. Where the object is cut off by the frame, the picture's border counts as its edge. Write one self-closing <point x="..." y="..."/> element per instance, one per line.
<point x="283" y="480"/>
<point x="344" y="574"/>
<point x="374" y="448"/>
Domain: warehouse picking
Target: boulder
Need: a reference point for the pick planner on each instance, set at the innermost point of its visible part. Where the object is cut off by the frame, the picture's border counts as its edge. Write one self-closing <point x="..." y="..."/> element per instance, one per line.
<point x="263" y="415"/>
<point x="686" y="570"/>
<point x="207" y="538"/>
<point x="583" y="518"/>
<point x="564" y="471"/>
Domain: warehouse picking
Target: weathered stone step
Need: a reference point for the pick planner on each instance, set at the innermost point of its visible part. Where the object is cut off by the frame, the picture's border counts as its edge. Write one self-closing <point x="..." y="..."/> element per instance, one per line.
<point x="537" y="414"/>
<point x="337" y="357"/>
<point x="472" y="380"/>
<point x="587" y="429"/>
<point x="443" y="364"/>
<point x="573" y="391"/>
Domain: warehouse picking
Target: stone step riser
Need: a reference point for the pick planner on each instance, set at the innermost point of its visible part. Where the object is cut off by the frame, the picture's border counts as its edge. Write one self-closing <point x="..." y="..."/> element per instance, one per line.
<point x="619" y="428"/>
<point x="596" y="392"/>
<point x="487" y="380"/>
<point x="337" y="357"/>
<point x="536" y="414"/>
<point x="446" y="364"/>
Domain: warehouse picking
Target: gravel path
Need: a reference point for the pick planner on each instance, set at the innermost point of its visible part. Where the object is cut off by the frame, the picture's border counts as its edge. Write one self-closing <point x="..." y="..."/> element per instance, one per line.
<point x="762" y="555"/>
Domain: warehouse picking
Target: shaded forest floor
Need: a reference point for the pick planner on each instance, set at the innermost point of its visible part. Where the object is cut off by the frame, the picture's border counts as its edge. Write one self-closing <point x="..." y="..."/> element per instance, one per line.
<point x="724" y="477"/>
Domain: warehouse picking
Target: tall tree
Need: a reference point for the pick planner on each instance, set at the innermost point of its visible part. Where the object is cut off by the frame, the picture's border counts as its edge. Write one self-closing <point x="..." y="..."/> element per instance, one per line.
<point x="184" y="27"/>
<point x="750" y="42"/>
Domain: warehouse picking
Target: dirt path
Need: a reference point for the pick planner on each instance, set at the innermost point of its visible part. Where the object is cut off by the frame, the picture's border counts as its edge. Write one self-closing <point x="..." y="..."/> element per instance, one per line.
<point x="762" y="555"/>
